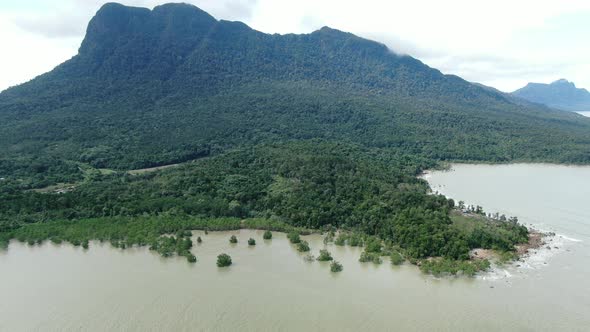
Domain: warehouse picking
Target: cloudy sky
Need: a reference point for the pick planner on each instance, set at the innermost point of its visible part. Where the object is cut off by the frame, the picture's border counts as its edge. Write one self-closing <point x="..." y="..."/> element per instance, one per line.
<point x="501" y="43"/>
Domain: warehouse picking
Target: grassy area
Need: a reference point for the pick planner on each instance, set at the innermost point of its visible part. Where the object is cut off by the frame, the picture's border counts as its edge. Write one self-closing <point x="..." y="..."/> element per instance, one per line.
<point x="151" y="169"/>
<point x="487" y="233"/>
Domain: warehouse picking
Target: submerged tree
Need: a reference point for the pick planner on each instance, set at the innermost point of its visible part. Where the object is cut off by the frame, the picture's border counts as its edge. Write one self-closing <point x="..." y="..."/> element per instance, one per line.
<point x="191" y="258"/>
<point x="340" y="240"/>
<point x="199" y="240"/>
<point x="396" y="258"/>
<point x="355" y="240"/>
<point x="324" y="256"/>
<point x="224" y="260"/>
<point x="370" y="257"/>
<point x="303" y="246"/>
<point x="309" y="258"/>
<point x="251" y="242"/>
<point x="267" y="235"/>
<point x="373" y="245"/>
<point x="233" y="239"/>
<point x="294" y="237"/>
<point x="336" y="266"/>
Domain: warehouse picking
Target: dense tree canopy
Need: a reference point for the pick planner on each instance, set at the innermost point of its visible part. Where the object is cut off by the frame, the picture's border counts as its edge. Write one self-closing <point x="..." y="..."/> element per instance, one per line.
<point x="319" y="131"/>
<point x="310" y="184"/>
<point x="174" y="84"/>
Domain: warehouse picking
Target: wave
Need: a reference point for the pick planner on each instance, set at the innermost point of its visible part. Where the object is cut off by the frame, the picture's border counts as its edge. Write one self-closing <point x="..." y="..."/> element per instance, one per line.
<point x="569" y="238"/>
<point x="534" y="260"/>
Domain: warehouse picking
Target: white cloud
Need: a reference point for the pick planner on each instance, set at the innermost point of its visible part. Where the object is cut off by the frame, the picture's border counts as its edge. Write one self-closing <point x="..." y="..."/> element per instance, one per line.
<point x="26" y="55"/>
<point x="503" y="43"/>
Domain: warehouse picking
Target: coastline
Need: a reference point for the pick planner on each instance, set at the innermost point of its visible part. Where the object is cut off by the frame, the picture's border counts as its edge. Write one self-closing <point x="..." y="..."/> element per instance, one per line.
<point x="544" y="241"/>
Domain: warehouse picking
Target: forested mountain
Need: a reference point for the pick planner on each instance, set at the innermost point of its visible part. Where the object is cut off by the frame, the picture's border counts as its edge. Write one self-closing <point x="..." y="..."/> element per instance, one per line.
<point x="316" y="130"/>
<point x="153" y="87"/>
<point x="560" y="94"/>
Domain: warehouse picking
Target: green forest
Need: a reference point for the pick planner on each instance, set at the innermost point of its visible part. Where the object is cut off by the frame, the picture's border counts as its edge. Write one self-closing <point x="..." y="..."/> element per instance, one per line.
<point x="296" y="187"/>
<point x="319" y="131"/>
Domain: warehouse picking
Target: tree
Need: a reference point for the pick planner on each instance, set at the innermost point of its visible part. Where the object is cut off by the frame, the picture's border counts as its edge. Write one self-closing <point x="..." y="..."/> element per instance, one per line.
<point x="355" y="240"/>
<point x="233" y="239"/>
<point x="373" y="245"/>
<point x="251" y="242"/>
<point x="303" y="246"/>
<point x="224" y="260"/>
<point x="396" y="258"/>
<point x="335" y="266"/>
<point x="370" y="257"/>
<point x="324" y="256"/>
<point x="461" y="205"/>
<point x="267" y="235"/>
<point x="294" y="237"/>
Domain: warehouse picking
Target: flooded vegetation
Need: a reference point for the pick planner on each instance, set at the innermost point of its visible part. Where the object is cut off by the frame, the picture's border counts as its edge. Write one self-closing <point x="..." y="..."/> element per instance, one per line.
<point x="99" y="288"/>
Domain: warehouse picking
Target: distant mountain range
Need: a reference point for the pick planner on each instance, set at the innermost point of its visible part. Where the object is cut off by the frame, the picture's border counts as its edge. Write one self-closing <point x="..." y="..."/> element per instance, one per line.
<point x="560" y="94"/>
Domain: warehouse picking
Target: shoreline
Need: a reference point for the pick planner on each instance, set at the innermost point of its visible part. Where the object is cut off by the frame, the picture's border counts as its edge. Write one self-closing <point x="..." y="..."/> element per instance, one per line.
<point x="541" y="244"/>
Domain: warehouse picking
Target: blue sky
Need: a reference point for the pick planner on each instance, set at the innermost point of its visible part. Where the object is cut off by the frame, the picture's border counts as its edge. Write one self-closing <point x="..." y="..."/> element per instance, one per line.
<point x="501" y="43"/>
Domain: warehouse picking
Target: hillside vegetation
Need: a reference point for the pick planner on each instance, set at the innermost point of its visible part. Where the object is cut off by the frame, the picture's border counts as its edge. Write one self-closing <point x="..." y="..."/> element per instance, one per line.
<point x="151" y="88"/>
<point x="317" y="130"/>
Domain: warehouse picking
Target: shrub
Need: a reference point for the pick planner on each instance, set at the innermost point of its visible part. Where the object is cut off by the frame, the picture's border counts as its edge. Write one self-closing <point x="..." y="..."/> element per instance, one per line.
<point x="56" y="240"/>
<point x="191" y="258"/>
<point x="447" y="266"/>
<point x="329" y="237"/>
<point x="184" y="233"/>
<point x="340" y="240"/>
<point x="370" y="257"/>
<point x="224" y="260"/>
<point x="325" y="256"/>
<point x="396" y="258"/>
<point x="294" y="237"/>
<point x="373" y="245"/>
<point x="355" y="241"/>
<point x="303" y="246"/>
<point x="335" y="266"/>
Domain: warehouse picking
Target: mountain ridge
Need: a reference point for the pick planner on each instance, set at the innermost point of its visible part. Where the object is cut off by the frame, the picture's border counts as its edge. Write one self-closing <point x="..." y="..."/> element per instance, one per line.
<point x="97" y="47"/>
<point x="154" y="87"/>
<point x="561" y="94"/>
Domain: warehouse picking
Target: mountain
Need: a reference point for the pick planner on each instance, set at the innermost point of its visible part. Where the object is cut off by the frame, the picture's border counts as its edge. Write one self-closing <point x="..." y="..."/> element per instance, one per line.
<point x="162" y="86"/>
<point x="322" y="130"/>
<point x="560" y="94"/>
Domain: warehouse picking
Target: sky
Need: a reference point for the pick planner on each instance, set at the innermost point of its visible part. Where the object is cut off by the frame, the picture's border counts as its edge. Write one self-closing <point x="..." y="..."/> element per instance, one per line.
<point x="501" y="43"/>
